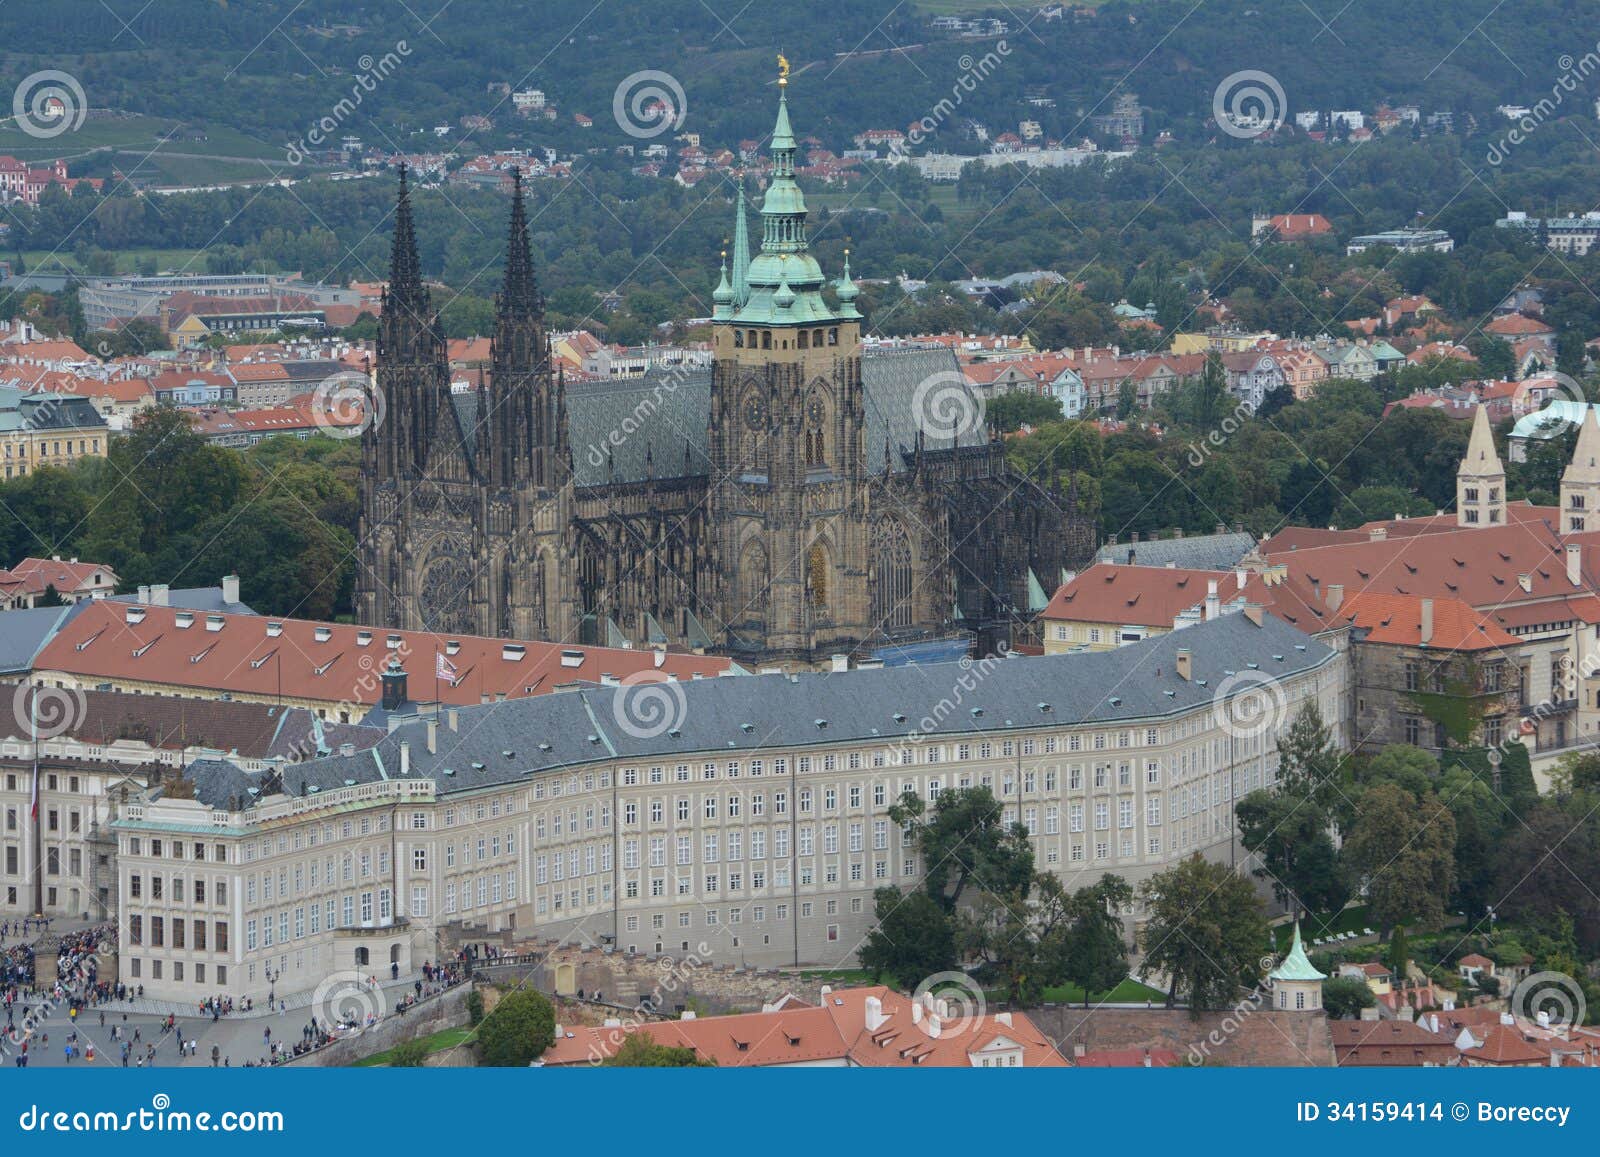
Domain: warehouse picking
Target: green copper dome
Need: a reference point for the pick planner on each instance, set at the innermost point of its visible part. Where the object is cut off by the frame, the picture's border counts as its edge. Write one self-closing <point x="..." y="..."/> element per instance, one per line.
<point x="782" y="284"/>
<point x="1296" y="965"/>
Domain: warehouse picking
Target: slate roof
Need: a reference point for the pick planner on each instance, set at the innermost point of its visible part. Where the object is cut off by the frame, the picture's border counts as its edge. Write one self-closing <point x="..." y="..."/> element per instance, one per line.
<point x="249" y="730"/>
<point x="195" y="599"/>
<point x="613" y="425"/>
<point x="503" y="743"/>
<point x="1198" y="551"/>
<point x="24" y="633"/>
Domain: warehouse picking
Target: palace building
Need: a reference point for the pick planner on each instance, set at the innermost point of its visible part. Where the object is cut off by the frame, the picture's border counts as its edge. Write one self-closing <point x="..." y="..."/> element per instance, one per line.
<point x="799" y="498"/>
<point x="746" y="821"/>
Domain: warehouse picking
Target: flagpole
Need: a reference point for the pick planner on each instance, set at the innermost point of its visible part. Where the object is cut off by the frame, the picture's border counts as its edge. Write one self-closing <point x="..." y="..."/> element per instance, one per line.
<point x="38" y="834"/>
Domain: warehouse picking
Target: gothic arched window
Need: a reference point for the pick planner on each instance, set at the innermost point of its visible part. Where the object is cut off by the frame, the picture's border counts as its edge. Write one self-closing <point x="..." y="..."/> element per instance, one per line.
<point x="891" y="594"/>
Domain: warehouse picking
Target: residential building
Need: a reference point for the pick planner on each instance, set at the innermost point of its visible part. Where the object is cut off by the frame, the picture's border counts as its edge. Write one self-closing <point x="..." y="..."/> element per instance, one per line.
<point x="874" y="1027"/>
<point x="1572" y="234"/>
<point x="1110" y="605"/>
<point x="73" y="581"/>
<point x="1405" y="240"/>
<point x="40" y="429"/>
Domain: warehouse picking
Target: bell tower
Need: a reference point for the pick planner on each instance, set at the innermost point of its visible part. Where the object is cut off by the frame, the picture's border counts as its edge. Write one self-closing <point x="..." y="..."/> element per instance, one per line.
<point x="1481" y="479"/>
<point x="786" y="432"/>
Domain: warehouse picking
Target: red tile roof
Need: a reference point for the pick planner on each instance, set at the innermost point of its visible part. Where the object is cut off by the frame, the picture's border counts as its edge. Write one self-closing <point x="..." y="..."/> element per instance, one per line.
<point x="328" y="662"/>
<point x="792" y="1033"/>
<point x="1397" y="620"/>
<point x="1365" y="1043"/>
<point x="1517" y="324"/>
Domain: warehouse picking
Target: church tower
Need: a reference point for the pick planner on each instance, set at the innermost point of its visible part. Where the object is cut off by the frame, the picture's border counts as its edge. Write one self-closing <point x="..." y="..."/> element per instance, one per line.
<point x="1580" y="482"/>
<point x="788" y="475"/>
<point x="1481" y="479"/>
<point x="413" y="387"/>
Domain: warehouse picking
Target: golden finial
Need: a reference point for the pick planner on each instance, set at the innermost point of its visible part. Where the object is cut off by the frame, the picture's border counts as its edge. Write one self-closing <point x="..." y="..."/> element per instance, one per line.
<point x="783" y="70"/>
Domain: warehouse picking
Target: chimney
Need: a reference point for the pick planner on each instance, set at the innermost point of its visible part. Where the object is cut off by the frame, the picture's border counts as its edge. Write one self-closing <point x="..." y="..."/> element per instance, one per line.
<point x="1078" y="1052"/>
<point x="934" y="1027"/>
<point x="1575" y="564"/>
<point x="161" y="595"/>
<point x="230" y="588"/>
<point x="453" y="718"/>
<point x="405" y="757"/>
<point x="433" y="736"/>
<point x="874" y="1013"/>
<point x="1427" y="622"/>
<point x="144" y="596"/>
<point x="1335" y="598"/>
<point x="1003" y="1018"/>
<point x="839" y="663"/>
<point x="1378" y="533"/>
<point x="1241" y="576"/>
<point x="1213" y="602"/>
<point x="916" y="1012"/>
<point x="1183" y="668"/>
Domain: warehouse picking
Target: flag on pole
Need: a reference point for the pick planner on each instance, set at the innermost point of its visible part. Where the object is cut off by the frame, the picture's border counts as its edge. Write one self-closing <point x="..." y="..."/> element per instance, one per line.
<point x="445" y="669"/>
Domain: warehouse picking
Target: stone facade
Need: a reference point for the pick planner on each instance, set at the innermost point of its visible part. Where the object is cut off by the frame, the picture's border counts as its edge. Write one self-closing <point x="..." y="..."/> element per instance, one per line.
<point x="797" y="501"/>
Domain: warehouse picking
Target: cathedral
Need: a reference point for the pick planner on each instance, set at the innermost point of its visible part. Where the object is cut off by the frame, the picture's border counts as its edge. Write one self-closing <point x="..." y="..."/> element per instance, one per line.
<point x="800" y="498"/>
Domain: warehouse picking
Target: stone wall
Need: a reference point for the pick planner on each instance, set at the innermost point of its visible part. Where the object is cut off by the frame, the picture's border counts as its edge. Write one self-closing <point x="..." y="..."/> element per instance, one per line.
<point x="1248" y="1037"/>
<point x="447" y="1010"/>
<point x="673" y="982"/>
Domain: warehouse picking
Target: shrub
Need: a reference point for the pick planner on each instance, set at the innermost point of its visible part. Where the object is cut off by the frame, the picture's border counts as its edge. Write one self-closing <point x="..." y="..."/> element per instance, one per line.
<point x="521" y="1027"/>
<point x="475" y="1006"/>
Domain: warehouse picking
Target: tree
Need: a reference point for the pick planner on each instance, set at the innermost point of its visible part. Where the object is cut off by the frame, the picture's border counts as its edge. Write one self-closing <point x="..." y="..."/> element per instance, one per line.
<point x="51" y="597"/>
<point x="521" y="1028"/>
<point x="1399" y="952"/>
<point x="1127" y="400"/>
<point x="640" y="1051"/>
<point x="408" y="1055"/>
<point x="1206" y="930"/>
<point x="1403" y="849"/>
<point x="1093" y="954"/>
<point x="1289" y="834"/>
<point x="1345" y="996"/>
<point x="1021" y="408"/>
<point x="1309" y="764"/>
<point x="964" y="840"/>
<point x="913" y="938"/>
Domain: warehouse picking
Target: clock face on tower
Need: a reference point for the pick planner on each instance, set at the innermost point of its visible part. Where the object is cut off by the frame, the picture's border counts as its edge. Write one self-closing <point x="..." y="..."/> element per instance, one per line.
<point x="816" y="412"/>
<point x="755" y="413"/>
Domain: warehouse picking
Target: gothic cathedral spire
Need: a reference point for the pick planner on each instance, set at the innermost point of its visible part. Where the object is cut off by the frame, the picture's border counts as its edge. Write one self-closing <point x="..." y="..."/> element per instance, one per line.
<point x="520" y="435"/>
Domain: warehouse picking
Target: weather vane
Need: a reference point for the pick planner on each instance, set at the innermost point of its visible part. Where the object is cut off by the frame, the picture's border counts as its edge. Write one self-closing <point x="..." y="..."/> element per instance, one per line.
<point x="783" y="69"/>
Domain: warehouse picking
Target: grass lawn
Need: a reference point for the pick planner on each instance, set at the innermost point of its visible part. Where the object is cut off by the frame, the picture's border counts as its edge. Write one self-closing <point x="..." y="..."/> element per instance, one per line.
<point x="1130" y="991"/>
<point x="1315" y="927"/>
<point x="834" y="976"/>
<point x="447" y="1039"/>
